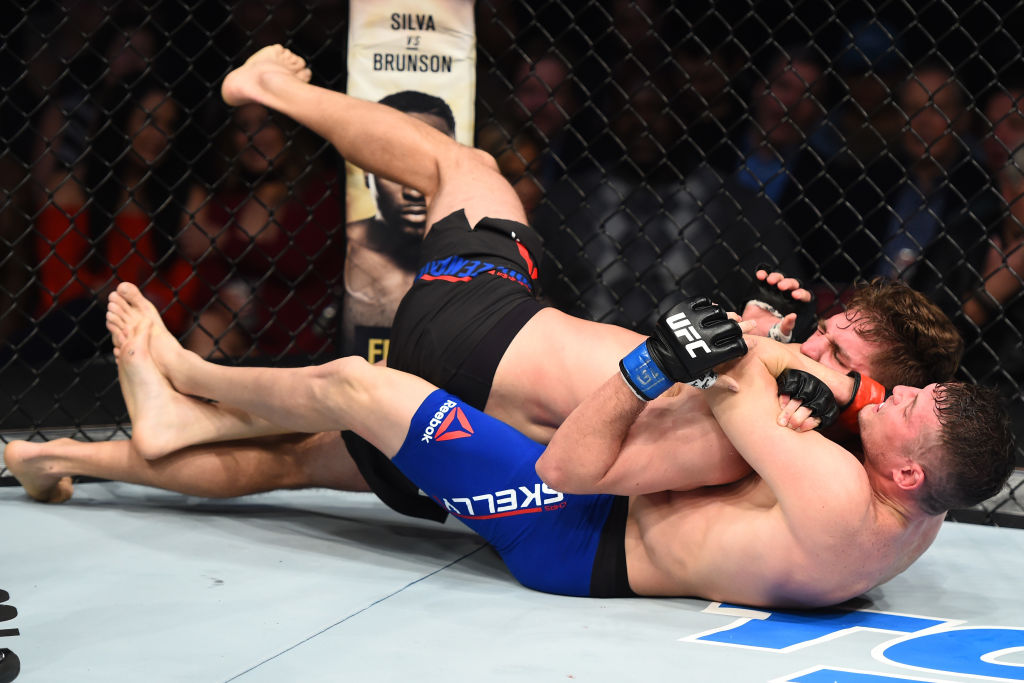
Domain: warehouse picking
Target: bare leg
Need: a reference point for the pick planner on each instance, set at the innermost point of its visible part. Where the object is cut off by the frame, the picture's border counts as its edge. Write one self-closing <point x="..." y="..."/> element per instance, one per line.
<point x="374" y="401"/>
<point x="378" y="139"/>
<point x="217" y="471"/>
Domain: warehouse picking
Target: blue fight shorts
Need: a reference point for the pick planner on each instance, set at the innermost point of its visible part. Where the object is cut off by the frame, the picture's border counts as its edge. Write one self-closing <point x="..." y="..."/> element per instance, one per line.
<point x="483" y="472"/>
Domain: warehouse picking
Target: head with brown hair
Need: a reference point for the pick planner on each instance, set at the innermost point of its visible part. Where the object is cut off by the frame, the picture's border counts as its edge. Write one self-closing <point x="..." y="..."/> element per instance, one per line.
<point x="916" y="342"/>
<point x="975" y="457"/>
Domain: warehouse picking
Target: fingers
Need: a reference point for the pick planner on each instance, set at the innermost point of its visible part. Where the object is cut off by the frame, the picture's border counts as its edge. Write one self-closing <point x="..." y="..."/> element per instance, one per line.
<point x="727" y="382"/>
<point x="798" y="293"/>
<point x="761" y="320"/>
<point x="746" y="326"/>
<point x="795" y="416"/>
<point x="787" y="324"/>
<point x="784" y="284"/>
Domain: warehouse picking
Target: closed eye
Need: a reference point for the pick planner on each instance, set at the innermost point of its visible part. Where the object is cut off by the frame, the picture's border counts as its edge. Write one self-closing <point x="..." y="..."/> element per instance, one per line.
<point x="839" y="356"/>
<point x="909" y="408"/>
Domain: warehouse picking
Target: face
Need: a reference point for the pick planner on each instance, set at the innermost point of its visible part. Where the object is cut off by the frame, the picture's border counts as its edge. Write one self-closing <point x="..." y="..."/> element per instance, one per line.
<point x="399" y="207"/>
<point x="151" y="127"/>
<point x="1003" y="112"/>
<point x="519" y="165"/>
<point x="837" y="344"/>
<point x="906" y="424"/>
<point x="707" y="79"/>
<point x="787" y="107"/>
<point x="545" y="95"/>
<point x="259" y="140"/>
<point x="647" y="127"/>
<point x="932" y="104"/>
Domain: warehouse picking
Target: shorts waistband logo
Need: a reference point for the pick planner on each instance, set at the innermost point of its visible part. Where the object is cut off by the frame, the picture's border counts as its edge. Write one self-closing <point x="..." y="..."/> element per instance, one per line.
<point x="458" y="269"/>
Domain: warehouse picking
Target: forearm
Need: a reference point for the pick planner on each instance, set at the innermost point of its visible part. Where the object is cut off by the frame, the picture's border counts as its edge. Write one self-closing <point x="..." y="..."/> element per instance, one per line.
<point x="586" y="447"/>
<point x="778" y="357"/>
<point x="807" y="473"/>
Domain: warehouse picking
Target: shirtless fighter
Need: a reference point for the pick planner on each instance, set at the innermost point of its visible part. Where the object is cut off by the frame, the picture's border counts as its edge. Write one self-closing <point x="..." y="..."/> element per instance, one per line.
<point x="782" y="536"/>
<point x="487" y="340"/>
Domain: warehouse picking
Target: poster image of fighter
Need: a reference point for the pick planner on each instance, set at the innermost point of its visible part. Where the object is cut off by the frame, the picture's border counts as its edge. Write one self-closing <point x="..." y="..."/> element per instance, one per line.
<point x="382" y="250"/>
<point x="419" y="58"/>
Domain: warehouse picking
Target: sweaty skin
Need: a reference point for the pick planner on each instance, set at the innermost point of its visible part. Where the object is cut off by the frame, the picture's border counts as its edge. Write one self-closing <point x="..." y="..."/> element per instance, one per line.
<point x="782" y="536"/>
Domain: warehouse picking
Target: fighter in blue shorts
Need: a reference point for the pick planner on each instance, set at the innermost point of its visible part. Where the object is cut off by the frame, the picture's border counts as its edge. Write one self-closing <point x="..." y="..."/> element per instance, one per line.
<point x="483" y="472"/>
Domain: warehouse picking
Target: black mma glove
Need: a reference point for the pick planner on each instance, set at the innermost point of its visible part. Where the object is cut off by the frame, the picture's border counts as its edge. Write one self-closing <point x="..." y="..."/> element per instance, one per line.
<point x="781" y="304"/>
<point x="815" y="394"/>
<point x="688" y="341"/>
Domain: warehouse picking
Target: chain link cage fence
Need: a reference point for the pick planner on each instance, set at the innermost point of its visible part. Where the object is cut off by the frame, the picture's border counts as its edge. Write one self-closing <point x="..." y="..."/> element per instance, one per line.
<point x="660" y="148"/>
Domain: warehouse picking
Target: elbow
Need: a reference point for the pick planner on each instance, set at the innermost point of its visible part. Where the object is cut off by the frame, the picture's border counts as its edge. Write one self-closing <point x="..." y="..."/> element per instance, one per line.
<point x="549" y="473"/>
<point x="554" y="475"/>
<point x="563" y="479"/>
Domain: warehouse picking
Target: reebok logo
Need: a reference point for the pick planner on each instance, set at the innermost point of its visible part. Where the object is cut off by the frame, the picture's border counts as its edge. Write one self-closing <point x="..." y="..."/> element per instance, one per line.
<point x="684" y="329"/>
<point x="447" y="424"/>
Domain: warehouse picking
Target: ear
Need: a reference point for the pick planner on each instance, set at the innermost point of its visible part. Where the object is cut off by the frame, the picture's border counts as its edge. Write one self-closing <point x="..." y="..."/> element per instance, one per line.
<point x="909" y="476"/>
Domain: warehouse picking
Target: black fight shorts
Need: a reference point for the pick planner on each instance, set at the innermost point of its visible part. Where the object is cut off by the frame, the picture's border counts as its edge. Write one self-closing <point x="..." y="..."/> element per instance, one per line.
<point x="474" y="291"/>
<point x="609" y="578"/>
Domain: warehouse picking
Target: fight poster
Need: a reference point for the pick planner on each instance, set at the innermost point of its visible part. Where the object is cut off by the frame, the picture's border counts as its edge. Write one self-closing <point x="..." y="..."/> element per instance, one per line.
<point x="419" y="58"/>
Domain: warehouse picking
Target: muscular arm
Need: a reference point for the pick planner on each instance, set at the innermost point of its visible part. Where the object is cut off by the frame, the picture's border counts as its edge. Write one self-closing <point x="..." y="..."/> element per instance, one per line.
<point x="777" y="357"/>
<point x="820" y="486"/>
<point x="584" y="449"/>
<point x="614" y="443"/>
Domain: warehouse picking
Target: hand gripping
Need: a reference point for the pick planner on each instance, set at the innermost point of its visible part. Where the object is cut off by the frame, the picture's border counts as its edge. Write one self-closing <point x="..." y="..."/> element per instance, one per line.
<point x="781" y="304"/>
<point x="815" y="395"/>
<point x="688" y="341"/>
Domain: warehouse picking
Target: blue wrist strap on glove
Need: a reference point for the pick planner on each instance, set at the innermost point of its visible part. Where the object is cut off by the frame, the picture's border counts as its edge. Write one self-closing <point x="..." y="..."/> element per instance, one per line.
<point x="642" y="375"/>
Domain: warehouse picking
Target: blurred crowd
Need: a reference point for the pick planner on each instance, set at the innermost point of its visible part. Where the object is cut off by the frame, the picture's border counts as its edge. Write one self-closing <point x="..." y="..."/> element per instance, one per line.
<point x="691" y="155"/>
<point x="659" y="155"/>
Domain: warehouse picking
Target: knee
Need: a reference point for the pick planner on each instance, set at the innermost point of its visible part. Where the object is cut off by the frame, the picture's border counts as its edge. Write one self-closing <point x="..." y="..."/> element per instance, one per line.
<point x="484" y="160"/>
<point x="472" y="162"/>
<point x="340" y="381"/>
<point x="343" y="369"/>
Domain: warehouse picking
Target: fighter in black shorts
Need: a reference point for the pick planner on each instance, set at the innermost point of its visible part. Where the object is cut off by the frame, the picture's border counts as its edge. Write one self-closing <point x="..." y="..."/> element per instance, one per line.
<point x="474" y="291"/>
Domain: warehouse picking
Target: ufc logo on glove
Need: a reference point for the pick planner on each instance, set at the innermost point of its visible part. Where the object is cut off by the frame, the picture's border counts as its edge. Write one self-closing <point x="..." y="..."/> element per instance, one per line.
<point x="684" y="329"/>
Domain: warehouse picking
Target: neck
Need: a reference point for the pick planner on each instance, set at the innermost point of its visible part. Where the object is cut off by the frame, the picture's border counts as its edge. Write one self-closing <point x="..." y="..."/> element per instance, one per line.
<point x="888" y="495"/>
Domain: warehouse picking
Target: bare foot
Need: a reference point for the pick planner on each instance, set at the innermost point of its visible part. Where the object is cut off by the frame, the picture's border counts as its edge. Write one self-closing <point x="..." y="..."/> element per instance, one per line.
<point x="32" y="466"/>
<point x="243" y="85"/>
<point x="128" y="309"/>
<point x="163" y="420"/>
